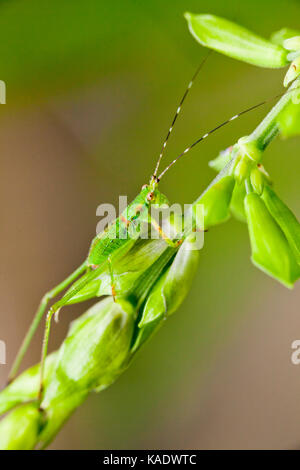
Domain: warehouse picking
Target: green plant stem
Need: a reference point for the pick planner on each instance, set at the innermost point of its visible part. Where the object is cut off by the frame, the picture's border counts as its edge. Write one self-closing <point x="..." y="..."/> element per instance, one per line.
<point x="268" y="129"/>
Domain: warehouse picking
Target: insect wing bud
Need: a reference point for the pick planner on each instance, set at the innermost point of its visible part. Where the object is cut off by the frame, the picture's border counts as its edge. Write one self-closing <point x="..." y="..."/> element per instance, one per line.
<point x="170" y="291"/>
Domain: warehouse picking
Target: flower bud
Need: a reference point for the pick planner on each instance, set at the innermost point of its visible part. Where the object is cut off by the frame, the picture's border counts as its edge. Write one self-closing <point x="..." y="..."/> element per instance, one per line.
<point x="19" y="429"/>
<point x="257" y="180"/>
<point x="237" y="206"/>
<point x="241" y="171"/>
<point x="235" y="41"/>
<point x="270" y="249"/>
<point x="84" y="359"/>
<point x="285" y="219"/>
<point x="216" y="201"/>
<point x="91" y="357"/>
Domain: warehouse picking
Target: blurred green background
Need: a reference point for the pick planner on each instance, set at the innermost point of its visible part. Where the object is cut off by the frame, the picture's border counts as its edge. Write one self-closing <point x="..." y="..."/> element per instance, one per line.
<point x="91" y="89"/>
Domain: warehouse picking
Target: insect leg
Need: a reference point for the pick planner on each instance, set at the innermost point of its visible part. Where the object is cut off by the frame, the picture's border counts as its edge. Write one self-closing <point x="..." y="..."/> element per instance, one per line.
<point x="157" y="227"/>
<point x="38" y="316"/>
<point x="54" y="310"/>
<point x="113" y="289"/>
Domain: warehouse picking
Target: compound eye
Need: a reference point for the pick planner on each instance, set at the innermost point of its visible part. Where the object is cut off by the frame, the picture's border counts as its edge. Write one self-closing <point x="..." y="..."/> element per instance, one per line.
<point x="150" y="196"/>
<point x="144" y="186"/>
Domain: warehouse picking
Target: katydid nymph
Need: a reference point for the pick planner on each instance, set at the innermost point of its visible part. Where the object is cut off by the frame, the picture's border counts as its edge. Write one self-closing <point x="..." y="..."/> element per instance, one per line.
<point x="116" y="241"/>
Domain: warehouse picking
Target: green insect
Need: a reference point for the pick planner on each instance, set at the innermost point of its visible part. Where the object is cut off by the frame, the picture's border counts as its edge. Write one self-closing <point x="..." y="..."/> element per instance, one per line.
<point x="122" y="234"/>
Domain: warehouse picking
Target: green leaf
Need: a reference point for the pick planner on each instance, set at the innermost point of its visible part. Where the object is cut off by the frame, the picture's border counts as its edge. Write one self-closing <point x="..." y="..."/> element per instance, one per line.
<point x="270" y="249"/>
<point x="235" y="41"/>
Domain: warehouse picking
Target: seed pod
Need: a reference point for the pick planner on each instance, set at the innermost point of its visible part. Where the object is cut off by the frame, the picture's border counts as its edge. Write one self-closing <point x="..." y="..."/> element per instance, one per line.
<point x="216" y="201"/>
<point x="270" y="249"/>
<point x="19" y="429"/>
<point x="84" y="359"/>
<point x="91" y="357"/>
<point x="237" y="206"/>
<point x="241" y="170"/>
<point x="285" y="219"/>
<point x="25" y="387"/>
<point x="169" y="291"/>
<point x="257" y="180"/>
<point x="235" y="41"/>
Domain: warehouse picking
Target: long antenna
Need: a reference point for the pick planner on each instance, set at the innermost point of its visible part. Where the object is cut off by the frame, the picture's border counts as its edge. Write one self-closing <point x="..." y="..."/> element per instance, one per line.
<point x="178" y="111"/>
<point x="232" y="118"/>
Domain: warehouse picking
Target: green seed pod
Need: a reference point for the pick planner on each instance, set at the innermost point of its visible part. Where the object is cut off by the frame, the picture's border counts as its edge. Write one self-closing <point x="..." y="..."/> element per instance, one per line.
<point x="169" y="291"/>
<point x="84" y="359"/>
<point x="237" y="206"/>
<point x="235" y="41"/>
<point x="292" y="43"/>
<point x="285" y="219"/>
<point x="216" y="201"/>
<point x="285" y="33"/>
<point x="25" y="387"/>
<point x="257" y="180"/>
<point x="92" y="356"/>
<point x="293" y="72"/>
<point x="270" y="249"/>
<point x="241" y="171"/>
<point x="19" y="429"/>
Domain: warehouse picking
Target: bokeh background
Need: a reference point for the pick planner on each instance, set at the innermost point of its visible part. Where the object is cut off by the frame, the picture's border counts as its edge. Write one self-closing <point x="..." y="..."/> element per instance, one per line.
<point x="91" y="89"/>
